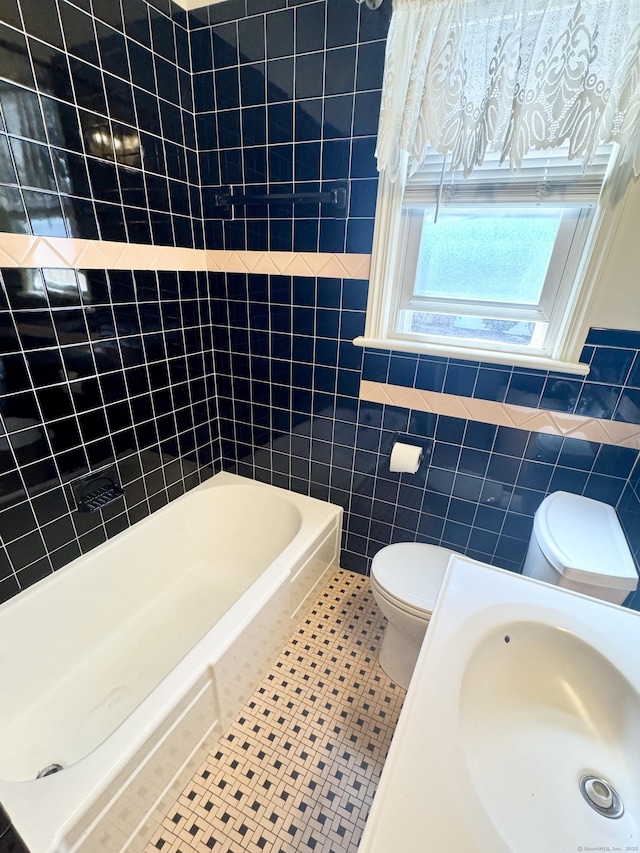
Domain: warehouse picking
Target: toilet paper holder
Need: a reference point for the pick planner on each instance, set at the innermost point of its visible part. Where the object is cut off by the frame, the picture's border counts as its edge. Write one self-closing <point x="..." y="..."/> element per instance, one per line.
<point x="408" y="452"/>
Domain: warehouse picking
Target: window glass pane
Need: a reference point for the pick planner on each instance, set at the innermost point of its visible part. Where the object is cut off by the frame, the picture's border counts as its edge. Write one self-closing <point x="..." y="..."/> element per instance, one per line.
<point x="497" y="256"/>
<point x="468" y="329"/>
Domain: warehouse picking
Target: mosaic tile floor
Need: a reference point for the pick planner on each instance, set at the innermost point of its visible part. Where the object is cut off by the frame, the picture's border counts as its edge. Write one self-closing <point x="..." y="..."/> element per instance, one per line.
<point x="298" y="768"/>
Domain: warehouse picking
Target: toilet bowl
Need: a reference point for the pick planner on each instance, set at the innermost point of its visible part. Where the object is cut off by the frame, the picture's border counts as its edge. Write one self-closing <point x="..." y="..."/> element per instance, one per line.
<point x="405" y="580"/>
<point x="577" y="543"/>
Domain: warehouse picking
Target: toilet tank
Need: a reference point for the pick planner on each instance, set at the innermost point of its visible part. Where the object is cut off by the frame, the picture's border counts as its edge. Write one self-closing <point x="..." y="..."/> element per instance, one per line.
<point x="577" y="543"/>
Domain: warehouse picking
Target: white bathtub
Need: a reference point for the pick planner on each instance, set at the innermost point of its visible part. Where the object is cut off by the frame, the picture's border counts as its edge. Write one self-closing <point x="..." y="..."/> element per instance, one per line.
<point x="126" y="665"/>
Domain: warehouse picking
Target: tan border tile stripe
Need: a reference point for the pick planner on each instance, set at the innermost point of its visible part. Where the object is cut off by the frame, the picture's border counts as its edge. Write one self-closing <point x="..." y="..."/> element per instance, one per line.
<point x="23" y="250"/>
<point x="503" y="414"/>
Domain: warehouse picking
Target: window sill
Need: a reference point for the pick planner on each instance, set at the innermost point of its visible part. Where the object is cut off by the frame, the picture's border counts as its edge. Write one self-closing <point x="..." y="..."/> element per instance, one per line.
<point x="471" y="354"/>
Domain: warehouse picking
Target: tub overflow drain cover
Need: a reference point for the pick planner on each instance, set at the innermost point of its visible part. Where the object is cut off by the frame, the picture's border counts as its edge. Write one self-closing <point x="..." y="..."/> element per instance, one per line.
<point x="599" y="793"/>
<point x="601" y="796"/>
<point x="49" y="769"/>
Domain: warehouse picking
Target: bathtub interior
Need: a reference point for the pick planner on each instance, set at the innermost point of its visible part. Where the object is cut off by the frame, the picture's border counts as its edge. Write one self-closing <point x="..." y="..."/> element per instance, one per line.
<point x="124" y="815"/>
<point x="278" y="558"/>
<point x="102" y="652"/>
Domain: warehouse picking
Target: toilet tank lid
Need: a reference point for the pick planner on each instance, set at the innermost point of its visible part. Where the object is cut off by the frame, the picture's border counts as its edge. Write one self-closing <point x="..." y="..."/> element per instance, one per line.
<point x="412" y="572"/>
<point x="583" y="540"/>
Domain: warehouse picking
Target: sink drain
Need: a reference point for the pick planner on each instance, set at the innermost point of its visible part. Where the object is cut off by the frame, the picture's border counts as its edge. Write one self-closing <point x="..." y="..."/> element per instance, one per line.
<point x="601" y="796"/>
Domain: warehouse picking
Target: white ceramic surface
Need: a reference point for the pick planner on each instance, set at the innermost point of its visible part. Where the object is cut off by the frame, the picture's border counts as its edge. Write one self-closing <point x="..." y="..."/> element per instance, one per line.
<point x="402" y="639"/>
<point x="405" y="581"/>
<point x="520" y="689"/>
<point x="583" y="541"/>
<point x="127" y="659"/>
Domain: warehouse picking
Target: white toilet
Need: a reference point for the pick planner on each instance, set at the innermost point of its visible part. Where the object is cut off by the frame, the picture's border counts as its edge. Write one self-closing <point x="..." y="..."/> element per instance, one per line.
<point x="564" y="550"/>
<point x="577" y="543"/>
<point x="406" y="579"/>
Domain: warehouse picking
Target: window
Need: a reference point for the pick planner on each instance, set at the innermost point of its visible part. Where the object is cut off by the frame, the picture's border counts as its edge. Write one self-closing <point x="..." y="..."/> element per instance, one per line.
<point x="503" y="265"/>
<point x="490" y="267"/>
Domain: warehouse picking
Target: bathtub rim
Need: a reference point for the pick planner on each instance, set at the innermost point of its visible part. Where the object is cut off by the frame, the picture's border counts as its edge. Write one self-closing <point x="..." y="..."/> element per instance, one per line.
<point x="220" y="480"/>
<point x="56" y="799"/>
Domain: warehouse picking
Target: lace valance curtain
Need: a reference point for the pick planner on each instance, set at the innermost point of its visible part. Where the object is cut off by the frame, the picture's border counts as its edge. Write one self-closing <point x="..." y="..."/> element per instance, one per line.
<point x="470" y="76"/>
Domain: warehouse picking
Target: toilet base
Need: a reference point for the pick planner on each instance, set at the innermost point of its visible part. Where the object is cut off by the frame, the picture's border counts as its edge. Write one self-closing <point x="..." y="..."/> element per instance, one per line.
<point x="399" y="653"/>
<point x="405" y="580"/>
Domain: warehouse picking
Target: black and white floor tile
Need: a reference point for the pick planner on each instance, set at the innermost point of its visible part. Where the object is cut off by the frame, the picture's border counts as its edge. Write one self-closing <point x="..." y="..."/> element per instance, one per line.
<point x="298" y="768"/>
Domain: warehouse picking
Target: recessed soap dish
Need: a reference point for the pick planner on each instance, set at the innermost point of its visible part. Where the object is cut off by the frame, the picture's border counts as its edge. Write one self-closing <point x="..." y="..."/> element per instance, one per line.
<point x="96" y="490"/>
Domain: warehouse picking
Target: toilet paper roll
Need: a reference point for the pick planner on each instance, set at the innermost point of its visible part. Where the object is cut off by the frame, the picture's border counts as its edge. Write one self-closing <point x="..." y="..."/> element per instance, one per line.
<point x="405" y="458"/>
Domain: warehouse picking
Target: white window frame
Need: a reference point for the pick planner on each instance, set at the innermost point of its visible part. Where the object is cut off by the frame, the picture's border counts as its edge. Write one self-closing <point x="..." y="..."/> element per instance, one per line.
<point x="579" y="288"/>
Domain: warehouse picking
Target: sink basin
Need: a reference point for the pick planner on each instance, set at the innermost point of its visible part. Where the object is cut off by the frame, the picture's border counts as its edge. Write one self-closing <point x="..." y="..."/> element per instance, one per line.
<point x="539" y="709"/>
<point x="521" y="691"/>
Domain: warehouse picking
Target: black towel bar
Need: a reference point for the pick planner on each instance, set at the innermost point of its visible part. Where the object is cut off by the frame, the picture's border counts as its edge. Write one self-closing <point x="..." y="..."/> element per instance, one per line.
<point x="336" y="196"/>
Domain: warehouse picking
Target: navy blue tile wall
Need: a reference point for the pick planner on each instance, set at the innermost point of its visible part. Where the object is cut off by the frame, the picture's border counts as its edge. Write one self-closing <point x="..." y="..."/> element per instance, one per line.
<point x="97" y="129"/>
<point x="288" y="380"/>
<point x="287" y="99"/>
<point x="611" y="390"/>
<point x="629" y="513"/>
<point x="283" y="100"/>
<point x="103" y="135"/>
<point x="97" y="368"/>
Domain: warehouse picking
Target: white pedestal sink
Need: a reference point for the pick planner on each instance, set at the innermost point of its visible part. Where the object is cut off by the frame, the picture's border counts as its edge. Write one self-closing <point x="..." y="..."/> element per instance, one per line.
<point x="521" y="690"/>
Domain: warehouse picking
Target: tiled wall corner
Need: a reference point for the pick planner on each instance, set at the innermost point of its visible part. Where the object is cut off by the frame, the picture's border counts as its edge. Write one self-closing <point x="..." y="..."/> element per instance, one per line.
<point x="287" y="98"/>
<point x="118" y="120"/>
<point x="98" y="135"/>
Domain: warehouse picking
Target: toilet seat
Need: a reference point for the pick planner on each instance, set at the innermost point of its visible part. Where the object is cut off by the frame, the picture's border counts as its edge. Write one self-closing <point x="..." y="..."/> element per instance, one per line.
<point x="410" y="574"/>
